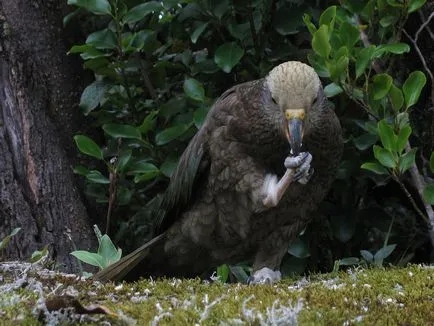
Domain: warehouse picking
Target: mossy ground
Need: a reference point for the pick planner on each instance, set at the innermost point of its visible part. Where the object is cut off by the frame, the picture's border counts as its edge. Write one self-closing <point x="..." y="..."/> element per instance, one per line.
<point x="389" y="296"/>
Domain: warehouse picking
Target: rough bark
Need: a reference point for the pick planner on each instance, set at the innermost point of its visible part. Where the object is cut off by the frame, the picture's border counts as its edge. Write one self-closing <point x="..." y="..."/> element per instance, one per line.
<point x="39" y="90"/>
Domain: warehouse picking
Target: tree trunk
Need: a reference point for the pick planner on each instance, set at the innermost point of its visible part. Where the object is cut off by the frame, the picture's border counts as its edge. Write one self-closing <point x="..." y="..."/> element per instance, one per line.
<point x="39" y="91"/>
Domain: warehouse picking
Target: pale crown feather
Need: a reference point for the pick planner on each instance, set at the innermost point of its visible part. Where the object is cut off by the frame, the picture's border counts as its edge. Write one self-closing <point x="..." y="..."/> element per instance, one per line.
<point x="293" y="85"/>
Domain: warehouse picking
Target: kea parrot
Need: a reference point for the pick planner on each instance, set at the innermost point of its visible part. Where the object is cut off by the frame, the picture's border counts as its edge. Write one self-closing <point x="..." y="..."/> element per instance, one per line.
<point x="247" y="184"/>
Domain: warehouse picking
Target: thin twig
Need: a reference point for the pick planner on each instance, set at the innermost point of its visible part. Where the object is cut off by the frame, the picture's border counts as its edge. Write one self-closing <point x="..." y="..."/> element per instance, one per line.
<point x="419" y="53"/>
<point x="425" y="23"/>
<point x="410" y="198"/>
<point x="422" y="17"/>
<point x="419" y="184"/>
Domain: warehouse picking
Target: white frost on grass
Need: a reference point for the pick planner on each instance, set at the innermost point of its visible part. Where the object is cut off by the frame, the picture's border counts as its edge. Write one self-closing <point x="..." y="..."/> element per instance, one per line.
<point x="205" y="314"/>
<point x="333" y="284"/>
<point x="158" y="317"/>
<point x="299" y="285"/>
<point x="276" y="315"/>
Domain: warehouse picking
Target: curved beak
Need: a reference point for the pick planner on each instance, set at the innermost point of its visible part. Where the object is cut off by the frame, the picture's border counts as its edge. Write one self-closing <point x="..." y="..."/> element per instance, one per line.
<point x="295" y="120"/>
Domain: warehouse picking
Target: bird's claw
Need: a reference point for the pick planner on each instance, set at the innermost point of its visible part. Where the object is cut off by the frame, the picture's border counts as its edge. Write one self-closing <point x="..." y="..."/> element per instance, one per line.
<point x="264" y="276"/>
<point x="293" y="162"/>
<point x="301" y="165"/>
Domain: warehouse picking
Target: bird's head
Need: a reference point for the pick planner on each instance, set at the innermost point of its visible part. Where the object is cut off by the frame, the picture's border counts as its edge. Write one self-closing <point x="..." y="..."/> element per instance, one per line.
<point x="294" y="88"/>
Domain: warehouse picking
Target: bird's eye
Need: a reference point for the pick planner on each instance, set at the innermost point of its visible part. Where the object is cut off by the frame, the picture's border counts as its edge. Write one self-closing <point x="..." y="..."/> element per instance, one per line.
<point x="314" y="101"/>
<point x="274" y="101"/>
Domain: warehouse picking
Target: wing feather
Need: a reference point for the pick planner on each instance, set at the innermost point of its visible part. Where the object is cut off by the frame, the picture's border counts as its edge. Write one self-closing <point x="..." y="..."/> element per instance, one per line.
<point x="191" y="171"/>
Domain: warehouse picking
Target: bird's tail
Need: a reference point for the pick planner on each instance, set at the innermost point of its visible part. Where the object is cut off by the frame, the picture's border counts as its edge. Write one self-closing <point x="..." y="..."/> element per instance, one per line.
<point x="117" y="271"/>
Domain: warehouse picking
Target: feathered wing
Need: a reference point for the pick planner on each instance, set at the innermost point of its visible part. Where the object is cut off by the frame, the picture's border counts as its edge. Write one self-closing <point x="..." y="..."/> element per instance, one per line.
<point x="192" y="164"/>
<point x="192" y="169"/>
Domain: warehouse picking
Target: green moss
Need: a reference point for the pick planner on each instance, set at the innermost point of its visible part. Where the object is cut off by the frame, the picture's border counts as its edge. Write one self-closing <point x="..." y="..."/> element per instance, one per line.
<point x="370" y="296"/>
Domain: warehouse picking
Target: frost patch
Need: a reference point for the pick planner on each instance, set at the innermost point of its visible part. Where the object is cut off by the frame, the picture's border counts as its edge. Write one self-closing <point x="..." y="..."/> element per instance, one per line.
<point x="332" y="284"/>
<point x="276" y="315"/>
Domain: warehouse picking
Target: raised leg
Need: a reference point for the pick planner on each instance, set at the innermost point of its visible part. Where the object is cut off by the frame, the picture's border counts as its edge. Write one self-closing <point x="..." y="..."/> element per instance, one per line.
<point x="298" y="169"/>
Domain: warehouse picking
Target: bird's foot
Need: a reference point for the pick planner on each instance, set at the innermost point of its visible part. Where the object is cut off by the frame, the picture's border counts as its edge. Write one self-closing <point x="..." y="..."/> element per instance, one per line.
<point x="264" y="276"/>
<point x="301" y="165"/>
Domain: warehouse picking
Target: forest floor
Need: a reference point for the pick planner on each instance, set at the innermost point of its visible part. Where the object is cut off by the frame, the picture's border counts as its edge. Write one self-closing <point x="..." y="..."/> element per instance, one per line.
<point x="30" y="295"/>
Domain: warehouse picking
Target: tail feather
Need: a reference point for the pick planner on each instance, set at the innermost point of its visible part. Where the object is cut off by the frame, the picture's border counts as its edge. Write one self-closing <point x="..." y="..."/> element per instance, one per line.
<point x="117" y="271"/>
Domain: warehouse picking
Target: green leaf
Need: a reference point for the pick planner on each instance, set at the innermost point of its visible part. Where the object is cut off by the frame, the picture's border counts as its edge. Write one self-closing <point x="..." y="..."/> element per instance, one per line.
<point x="97" y="177"/>
<point x="141" y="11"/>
<point x="299" y="248"/>
<point x="367" y="255"/>
<point x="320" y="42"/>
<point x="7" y="238"/>
<point x="339" y="67"/>
<point x="388" y="20"/>
<point x="108" y="251"/>
<point x="375" y="167"/>
<point x="384" y="157"/>
<point x="396" y="48"/>
<point x="104" y="39"/>
<point x="121" y="131"/>
<point x="199" y="117"/>
<point x="365" y="141"/>
<point x="414" y="5"/>
<point x="169" y="165"/>
<point x="141" y="167"/>
<point x="327" y="18"/>
<point x="239" y="273"/>
<point x="381" y="85"/>
<point x="396" y="97"/>
<point x="364" y="57"/>
<point x="407" y="160"/>
<point x="348" y="261"/>
<point x="194" y="89"/>
<point x="98" y="233"/>
<point x="93" y="53"/>
<point x="92" y="96"/>
<point x="90" y="258"/>
<point x="402" y="119"/>
<point x="332" y="90"/>
<point x="37" y="255"/>
<point x="413" y="87"/>
<point x="97" y="7"/>
<point x="307" y="21"/>
<point x="146" y="176"/>
<point x="70" y="16"/>
<point x="80" y="48"/>
<point x="428" y="194"/>
<point x="228" y="55"/>
<point x="88" y="146"/>
<point x="383" y="253"/>
<point x="387" y="136"/>
<point x="198" y="32"/>
<point x="223" y="273"/>
<point x="80" y="170"/>
<point x="431" y="162"/>
<point x="349" y="34"/>
<point x="123" y="160"/>
<point x="170" y="134"/>
<point x="148" y="122"/>
<point x="395" y="3"/>
<point x="403" y="136"/>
